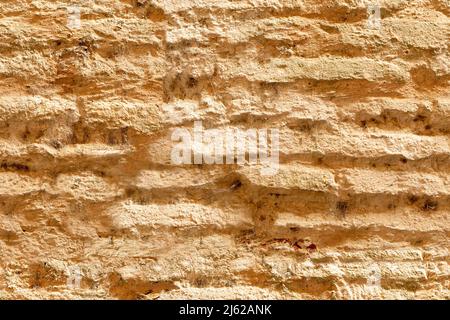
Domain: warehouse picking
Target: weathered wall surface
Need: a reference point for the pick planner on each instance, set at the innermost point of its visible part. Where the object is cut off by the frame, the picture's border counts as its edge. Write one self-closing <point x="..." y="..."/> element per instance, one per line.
<point x="88" y="192"/>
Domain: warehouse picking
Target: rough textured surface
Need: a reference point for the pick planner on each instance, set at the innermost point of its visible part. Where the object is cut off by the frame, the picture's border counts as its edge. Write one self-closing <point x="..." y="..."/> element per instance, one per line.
<point x="86" y="180"/>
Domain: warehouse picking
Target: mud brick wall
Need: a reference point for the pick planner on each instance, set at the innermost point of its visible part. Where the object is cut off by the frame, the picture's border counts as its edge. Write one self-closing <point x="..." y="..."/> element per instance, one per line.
<point x="92" y="207"/>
